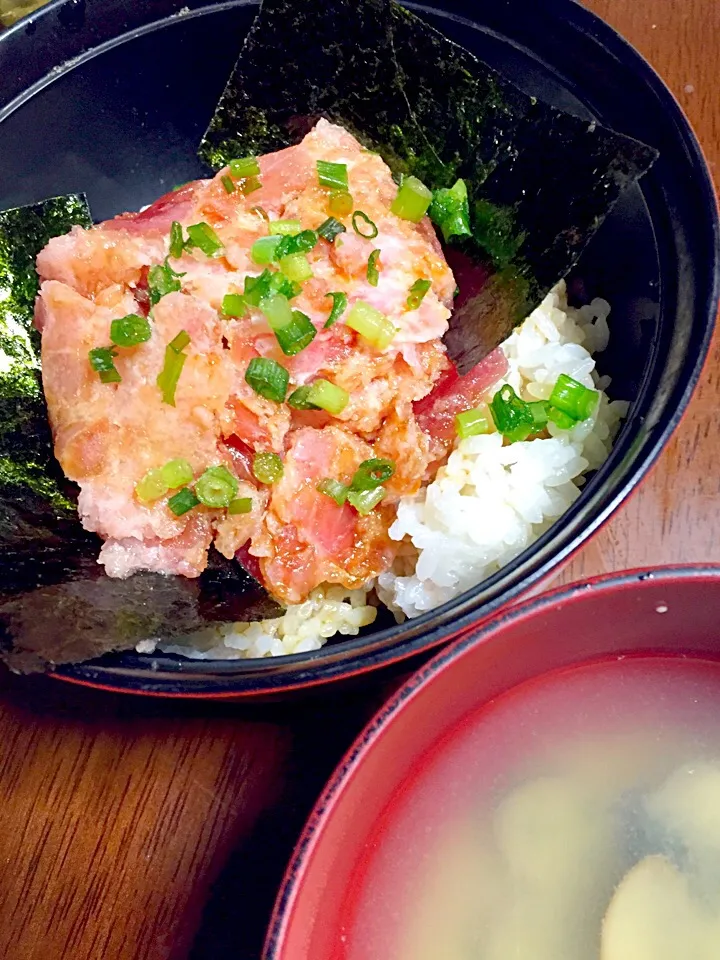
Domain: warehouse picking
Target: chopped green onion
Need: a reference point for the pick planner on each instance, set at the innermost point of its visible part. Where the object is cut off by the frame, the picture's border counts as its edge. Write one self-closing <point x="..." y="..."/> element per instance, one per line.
<point x="268" y="378"/>
<point x="371" y="473"/>
<point x="245" y="167"/>
<point x="152" y="486"/>
<point x="202" y="236"/>
<point x="183" y="501"/>
<point x="285" y="228"/>
<point x="216" y="487"/>
<point x="130" y="331"/>
<point x="293" y="329"/>
<point x="267" y="467"/>
<point x="412" y="200"/>
<point x="340" y="203"/>
<point x="365" y="501"/>
<point x="279" y="283"/>
<point x="176" y="473"/>
<point x="372" y="325"/>
<point x="512" y="415"/>
<point x="177" y="243"/>
<point x="257" y="287"/>
<point x="539" y="411"/>
<point x="339" y="300"/>
<point x="302" y="242"/>
<point x="250" y="185"/>
<point x="560" y="419"/>
<point x="228" y="183"/>
<point x="162" y="280"/>
<point x="102" y="360"/>
<point x="299" y="398"/>
<point x="261" y="212"/>
<point x="471" y="423"/>
<point x="417" y="293"/>
<point x="179" y="186"/>
<point x="277" y="310"/>
<point x="330" y="228"/>
<point x="169" y="376"/>
<point x="263" y="250"/>
<point x="373" y="274"/>
<point x="450" y="210"/>
<point x="241" y="505"/>
<point x="334" y="489"/>
<point x="363" y="225"/>
<point x="328" y="396"/>
<point x="332" y="175"/>
<point x="572" y="398"/>
<point x="296" y="267"/>
<point x="234" y="305"/>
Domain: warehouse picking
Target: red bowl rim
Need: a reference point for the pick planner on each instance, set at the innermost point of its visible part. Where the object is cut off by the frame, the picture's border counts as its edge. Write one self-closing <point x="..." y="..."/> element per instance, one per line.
<point x="295" y="873"/>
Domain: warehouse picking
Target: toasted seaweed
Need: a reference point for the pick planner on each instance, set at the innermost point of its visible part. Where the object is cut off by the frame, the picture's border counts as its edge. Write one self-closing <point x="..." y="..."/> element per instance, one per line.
<point x="540" y="181"/>
<point x="56" y="603"/>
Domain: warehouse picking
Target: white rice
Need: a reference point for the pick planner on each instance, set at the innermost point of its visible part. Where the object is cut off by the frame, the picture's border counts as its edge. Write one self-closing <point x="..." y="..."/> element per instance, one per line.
<point x="483" y="508"/>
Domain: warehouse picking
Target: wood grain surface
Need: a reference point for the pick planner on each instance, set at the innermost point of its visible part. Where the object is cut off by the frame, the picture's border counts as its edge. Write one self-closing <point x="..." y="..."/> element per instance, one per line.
<point x="143" y="829"/>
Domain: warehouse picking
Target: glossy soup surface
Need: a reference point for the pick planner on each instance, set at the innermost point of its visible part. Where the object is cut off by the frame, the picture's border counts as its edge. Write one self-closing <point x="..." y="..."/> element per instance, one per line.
<point x="575" y="818"/>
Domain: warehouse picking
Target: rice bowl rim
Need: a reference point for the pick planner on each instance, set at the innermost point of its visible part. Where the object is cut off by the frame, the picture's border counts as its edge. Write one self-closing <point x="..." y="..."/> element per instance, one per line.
<point x="601" y="497"/>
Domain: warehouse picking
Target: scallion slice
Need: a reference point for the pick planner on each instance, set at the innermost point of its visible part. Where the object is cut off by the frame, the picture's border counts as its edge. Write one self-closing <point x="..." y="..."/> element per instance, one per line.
<point x="298" y="335"/>
<point x="511" y="414"/>
<point x="169" y="376"/>
<point x="177" y="241"/>
<point x="296" y="267"/>
<point x="285" y="228"/>
<point x="330" y="228"/>
<point x="263" y="250"/>
<point x="539" y="411"/>
<point x="365" y="501"/>
<point x="328" y="396"/>
<point x="412" y="200"/>
<point x="228" y="183"/>
<point x="162" y="280"/>
<point x="267" y="467"/>
<point x="561" y="419"/>
<point x="332" y="175"/>
<point x="417" y="293"/>
<point x="472" y="423"/>
<point x="216" y="487"/>
<point x="372" y="325"/>
<point x="363" y="225"/>
<point x="302" y="242"/>
<point x="371" y="473"/>
<point x="245" y="167"/>
<point x="279" y="283"/>
<point x="339" y="303"/>
<point x="240" y="505"/>
<point x="102" y="360"/>
<point x="268" y="378"/>
<point x="572" y="398"/>
<point x="152" y="487"/>
<point x="450" y="210"/>
<point x="250" y="185"/>
<point x="340" y="203"/>
<point x="176" y="473"/>
<point x="299" y="398"/>
<point x="277" y="310"/>
<point x="202" y="236"/>
<point x="234" y="305"/>
<point x="257" y="287"/>
<point x="130" y="331"/>
<point x="373" y="273"/>
<point x="183" y="501"/>
<point x="334" y="489"/>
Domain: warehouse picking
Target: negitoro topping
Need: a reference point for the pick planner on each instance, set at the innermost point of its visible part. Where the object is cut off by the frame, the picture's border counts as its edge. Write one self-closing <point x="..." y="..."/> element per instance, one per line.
<point x="372" y="325"/>
<point x="267" y="467"/>
<point x="412" y="200"/>
<point x="268" y="378"/>
<point x="102" y="360"/>
<point x="175" y="358"/>
<point x="131" y="330"/>
<point x="339" y="303"/>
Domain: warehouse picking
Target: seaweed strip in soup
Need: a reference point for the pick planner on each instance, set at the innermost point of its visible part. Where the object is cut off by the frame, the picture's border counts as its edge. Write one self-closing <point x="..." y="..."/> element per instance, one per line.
<point x="540" y="182"/>
<point x="56" y="604"/>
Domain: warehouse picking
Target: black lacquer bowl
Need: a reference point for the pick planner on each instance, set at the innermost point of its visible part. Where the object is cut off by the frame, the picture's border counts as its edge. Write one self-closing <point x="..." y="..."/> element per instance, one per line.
<point x="111" y="97"/>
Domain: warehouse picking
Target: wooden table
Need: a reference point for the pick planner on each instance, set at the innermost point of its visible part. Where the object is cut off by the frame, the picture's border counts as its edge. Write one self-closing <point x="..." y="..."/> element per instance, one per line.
<point x="139" y="829"/>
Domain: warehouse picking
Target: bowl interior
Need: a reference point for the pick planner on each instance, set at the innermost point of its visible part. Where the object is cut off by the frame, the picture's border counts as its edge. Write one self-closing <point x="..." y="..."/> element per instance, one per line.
<point x="121" y="121"/>
<point x="665" y="613"/>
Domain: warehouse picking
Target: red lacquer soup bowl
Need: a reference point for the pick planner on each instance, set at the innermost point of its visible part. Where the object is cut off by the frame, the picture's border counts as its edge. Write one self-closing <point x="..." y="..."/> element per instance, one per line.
<point x="631" y="621"/>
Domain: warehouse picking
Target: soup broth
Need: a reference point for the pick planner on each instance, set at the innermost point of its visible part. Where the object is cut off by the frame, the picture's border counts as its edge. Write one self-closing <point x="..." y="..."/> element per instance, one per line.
<point x="576" y="817"/>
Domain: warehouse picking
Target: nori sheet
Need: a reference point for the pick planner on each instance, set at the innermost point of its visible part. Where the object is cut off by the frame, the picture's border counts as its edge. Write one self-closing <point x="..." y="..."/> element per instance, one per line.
<point x="56" y="603"/>
<point x="541" y="181"/>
